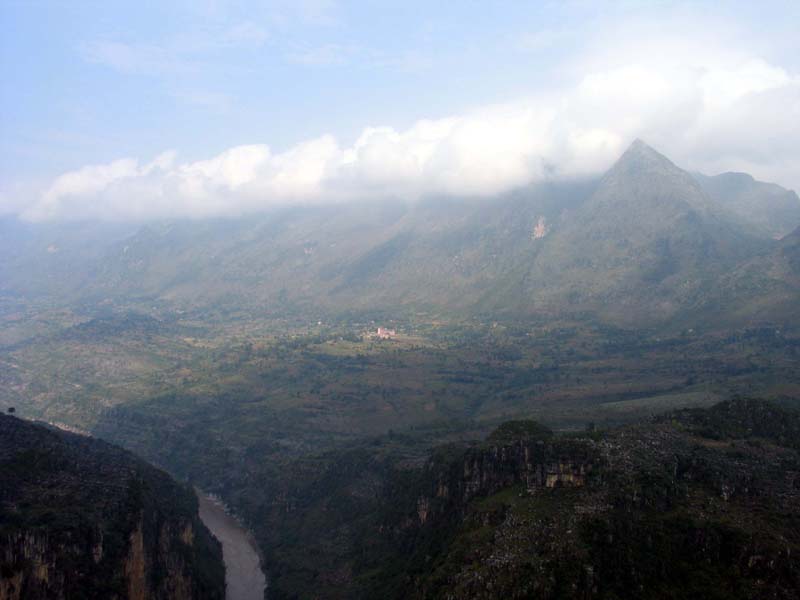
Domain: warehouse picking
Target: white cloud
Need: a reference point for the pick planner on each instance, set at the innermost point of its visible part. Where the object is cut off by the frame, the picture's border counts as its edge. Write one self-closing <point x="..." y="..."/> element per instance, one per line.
<point x="710" y="110"/>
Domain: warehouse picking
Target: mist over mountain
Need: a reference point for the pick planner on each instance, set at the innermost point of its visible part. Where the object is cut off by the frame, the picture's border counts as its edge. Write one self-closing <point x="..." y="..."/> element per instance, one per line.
<point x="645" y="243"/>
<point x="771" y="208"/>
<point x="333" y="372"/>
<point x="400" y="300"/>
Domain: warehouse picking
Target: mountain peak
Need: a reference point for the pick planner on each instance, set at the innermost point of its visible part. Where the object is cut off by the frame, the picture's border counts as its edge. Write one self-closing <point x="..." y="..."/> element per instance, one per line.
<point x="642" y="160"/>
<point x="639" y="150"/>
<point x="644" y="180"/>
<point x="639" y="145"/>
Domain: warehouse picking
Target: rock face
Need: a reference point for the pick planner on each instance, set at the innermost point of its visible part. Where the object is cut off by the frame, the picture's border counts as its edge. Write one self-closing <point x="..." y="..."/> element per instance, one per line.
<point x="697" y="504"/>
<point x="700" y="504"/>
<point x="80" y="518"/>
<point x="484" y="471"/>
<point x="532" y="464"/>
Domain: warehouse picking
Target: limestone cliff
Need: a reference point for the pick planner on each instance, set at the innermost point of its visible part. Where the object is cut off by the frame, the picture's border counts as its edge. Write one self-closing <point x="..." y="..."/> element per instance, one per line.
<point x="80" y="518"/>
<point x="699" y="504"/>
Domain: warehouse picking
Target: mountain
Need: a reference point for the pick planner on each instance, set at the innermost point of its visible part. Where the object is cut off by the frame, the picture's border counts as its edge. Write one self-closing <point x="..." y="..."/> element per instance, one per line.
<point x="763" y="289"/>
<point x="80" y="518"/>
<point x="240" y="354"/>
<point x="790" y="250"/>
<point x="767" y="207"/>
<point x="363" y="256"/>
<point x="644" y="245"/>
<point x="53" y="259"/>
<point x="698" y="503"/>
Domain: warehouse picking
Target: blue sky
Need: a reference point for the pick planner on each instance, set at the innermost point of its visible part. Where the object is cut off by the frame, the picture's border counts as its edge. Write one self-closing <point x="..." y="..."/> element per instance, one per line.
<point x="86" y="84"/>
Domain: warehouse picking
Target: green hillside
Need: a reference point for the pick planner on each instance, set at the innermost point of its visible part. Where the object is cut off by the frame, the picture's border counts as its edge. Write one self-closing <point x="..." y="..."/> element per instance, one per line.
<point x="80" y="518"/>
<point x="643" y="245"/>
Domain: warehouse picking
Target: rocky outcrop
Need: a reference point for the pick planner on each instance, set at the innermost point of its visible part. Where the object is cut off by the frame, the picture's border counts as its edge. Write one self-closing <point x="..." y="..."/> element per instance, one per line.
<point x="698" y="504"/>
<point x="455" y="477"/>
<point x="80" y="518"/>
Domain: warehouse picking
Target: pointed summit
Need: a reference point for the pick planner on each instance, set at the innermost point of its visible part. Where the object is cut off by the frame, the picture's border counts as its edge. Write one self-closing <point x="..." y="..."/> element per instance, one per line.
<point x="647" y="179"/>
<point x="639" y="156"/>
<point x="639" y="145"/>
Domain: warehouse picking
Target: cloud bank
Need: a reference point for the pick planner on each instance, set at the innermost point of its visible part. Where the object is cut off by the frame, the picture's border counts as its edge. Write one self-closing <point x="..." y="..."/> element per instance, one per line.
<point x="708" y="110"/>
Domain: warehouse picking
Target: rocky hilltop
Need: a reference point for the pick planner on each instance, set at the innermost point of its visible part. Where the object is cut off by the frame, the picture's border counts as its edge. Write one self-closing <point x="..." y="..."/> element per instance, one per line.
<point x="699" y="503"/>
<point x="80" y="518"/>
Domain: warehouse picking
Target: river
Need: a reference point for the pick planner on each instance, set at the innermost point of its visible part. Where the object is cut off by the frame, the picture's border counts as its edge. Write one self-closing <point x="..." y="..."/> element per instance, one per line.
<point x="244" y="578"/>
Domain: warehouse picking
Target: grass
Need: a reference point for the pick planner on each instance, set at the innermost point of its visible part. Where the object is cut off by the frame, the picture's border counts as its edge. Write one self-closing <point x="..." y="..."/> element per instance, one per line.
<point x="336" y="379"/>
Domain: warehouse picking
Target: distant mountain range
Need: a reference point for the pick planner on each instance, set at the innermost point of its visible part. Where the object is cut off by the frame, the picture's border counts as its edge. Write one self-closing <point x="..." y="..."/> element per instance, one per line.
<point x="648" y="243"/>
<point x="236" y="353"/>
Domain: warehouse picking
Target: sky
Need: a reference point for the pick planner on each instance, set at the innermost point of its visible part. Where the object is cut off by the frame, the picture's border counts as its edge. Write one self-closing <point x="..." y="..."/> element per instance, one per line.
<point x="195" y="108"/>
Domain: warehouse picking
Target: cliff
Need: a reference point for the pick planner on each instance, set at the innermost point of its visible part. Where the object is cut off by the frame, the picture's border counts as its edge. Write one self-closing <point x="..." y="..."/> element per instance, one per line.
<point x="699" y="504"/>
<point x="80" y="518"/>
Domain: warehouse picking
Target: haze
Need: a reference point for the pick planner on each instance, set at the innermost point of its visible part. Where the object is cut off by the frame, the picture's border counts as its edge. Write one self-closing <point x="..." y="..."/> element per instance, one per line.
<point x="207" y="109"/>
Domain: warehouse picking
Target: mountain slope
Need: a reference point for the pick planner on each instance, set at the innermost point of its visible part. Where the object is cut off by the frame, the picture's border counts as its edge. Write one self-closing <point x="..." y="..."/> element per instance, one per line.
<point x="80" y="518"/>
<point x="647" y="244"/>
<point x="643" y="245"/>
<point x="371" y="256"/>
<point x="53" y="259"/>
<point x="657" y="511"/>
<point x="765" y="206"/>
<point x="698" y="504"/>
<point x="763" y="289"/>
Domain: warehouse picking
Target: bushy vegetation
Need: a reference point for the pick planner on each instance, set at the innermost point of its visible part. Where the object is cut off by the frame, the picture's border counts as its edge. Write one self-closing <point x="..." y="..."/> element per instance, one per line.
<point x="522" y="431"/>
<point x="73" y="503"/>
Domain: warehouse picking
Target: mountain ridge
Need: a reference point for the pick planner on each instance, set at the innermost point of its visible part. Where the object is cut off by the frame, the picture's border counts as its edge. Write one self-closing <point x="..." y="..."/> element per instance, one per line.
<point x="766" y="207"/>
<point x="639" y="246"/>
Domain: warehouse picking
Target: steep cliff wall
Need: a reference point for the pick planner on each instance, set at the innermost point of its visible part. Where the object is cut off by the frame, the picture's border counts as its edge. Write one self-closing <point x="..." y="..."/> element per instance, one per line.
<point x="452" y="480"/>
<point x="80" y="518"/>
<point x="701" y="504"/>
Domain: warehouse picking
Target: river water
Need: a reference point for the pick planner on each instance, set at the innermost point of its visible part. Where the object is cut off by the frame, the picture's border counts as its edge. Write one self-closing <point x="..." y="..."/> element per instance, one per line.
<point x="244" y="578"/>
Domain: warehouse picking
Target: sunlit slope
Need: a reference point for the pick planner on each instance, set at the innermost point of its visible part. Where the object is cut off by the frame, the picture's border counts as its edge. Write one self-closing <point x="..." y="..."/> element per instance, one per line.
<point x="643" y="245"/>
<point x="768" y="208"/>
<point x="647" y="244"/>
